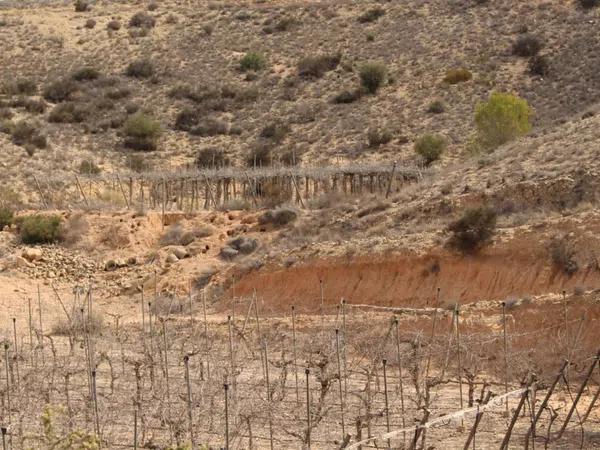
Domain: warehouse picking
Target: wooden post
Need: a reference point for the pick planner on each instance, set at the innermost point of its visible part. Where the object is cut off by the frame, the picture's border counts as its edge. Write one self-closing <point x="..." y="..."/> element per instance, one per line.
<point x="295" y="355"/>
<point x="14" y="320"/>
<point x="505" y="344"/>
<point x="389" y="188"/>
<point x="478" y="417"/>
<point x="307" y="372"/>
<point x="81" y="191"/>
<point x="400" y="383"/>
<point x="268" y="388"/>
<point x="123" y="191"/>
<point x="460" y="388"/>
<point x="186" y="360"/>
<point x="387" y="406"/>
<point x="7" y="367"/>
<point x="515" y="417"/>
<point x="135" y="420"/>
<point x="226" y="388"/>
<point x="339" y="364"/>
<point x="39" y="189"/>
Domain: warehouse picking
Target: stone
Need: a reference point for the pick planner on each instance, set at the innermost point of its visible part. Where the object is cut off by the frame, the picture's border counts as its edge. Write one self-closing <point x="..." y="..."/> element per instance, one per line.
<point x="180" y="252"/>
<point x="228" y="253"/>
<point x="172" y="258"/>
<point x="32" y="254"/>
<point x="14" y="262"/>
<point x="244" y="244"/>
<point x="111" y="264"/>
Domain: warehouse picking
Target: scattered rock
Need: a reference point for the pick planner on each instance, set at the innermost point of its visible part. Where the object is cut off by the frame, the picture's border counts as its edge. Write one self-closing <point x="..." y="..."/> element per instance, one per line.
<point x="243" y="244"/>
<point x="180" y="252"/>
<point x="172" y="258"/>
<point x="228" y="253"/>
<point x="14" y="262"/>
<point x="278" y="217"/>
<point x="32" y="254"/>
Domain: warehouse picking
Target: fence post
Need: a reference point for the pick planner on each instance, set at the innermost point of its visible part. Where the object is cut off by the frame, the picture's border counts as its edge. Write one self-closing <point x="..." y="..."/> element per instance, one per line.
<point x="400" y="383"/>
<point x="505" y="338"/>
<point x="268" y="387"/>
<point x="307" y="372"/>
<point x="387" y="406"/>
<point x="543" y="404"/>
<point x="4" y="431"/>
<point x="226" y="388"/>
<point x="135" y="420"/>
<point x="294" y="353"/>
<point x="478" y="417"/>
<point x="339" y="364"/>
<point x="584" y="384"/>
<point x="7" y="365"/>
<point x="14" y="320"/>
<point x="515" y="416"/>
<point x="186" y="360"/>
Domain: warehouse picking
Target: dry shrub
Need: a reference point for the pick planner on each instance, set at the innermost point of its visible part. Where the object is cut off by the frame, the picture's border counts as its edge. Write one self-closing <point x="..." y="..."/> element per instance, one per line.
<point x="474" y="229"/>
<point x="372" y="76"/>
<point x="69" y="112"/>
<point x="113" y="25"/>
<point x="379" y="206"/>
<point x="167" y="305"/>
<point x="211" y="157"/>
<point x="562" y="254"/>
<point x="79" y="325"/>
<point x="116" y="236"/>
<point x="141" y="68"/>
<point x="378" y="137"/>
<point x="371" y="15"/>
<point x="76" y="227"/>
<point x="316" y="66"/>
<point x="278" y="217"/>
<point x="39" y="229"/>
<point x="28" y="133"/>
<point x="142" y="20"/>
<point x="526" y="46"/>
<point x="455" y="76"/>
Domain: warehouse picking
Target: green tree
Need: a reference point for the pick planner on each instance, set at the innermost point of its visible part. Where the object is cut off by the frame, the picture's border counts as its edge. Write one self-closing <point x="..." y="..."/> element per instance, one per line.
<point x="501" y="119"/>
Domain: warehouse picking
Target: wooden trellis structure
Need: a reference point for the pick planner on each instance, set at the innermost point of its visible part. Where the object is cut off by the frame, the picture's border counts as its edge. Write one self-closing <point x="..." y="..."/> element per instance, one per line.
<point x="213" y="189"/>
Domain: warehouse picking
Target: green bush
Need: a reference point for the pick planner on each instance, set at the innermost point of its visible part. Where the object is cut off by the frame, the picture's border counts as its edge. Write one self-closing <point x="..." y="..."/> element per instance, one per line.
<point x="474" y="229"/>
<point x="502" y="118"/>
<point x="253" y="61"/>
<point x="39" y="229"/>
<point x="69" y="112"/>
<point x="372" y="76"/>
<point x="86" y="74"/>
<point x="371" y="15"/>
<point x="455" y="76"/>
<point x="430" y="147"/>
<point x="6" y="218"/>
<point x="141" y="132"/>
<point x="60" y="90"/>
<point x="142" y="68"/>
<point x="316" y="66"/>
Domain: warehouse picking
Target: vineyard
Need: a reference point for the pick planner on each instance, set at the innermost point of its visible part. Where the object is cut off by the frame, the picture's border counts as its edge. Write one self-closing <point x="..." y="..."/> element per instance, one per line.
<point x="191" y="373"/>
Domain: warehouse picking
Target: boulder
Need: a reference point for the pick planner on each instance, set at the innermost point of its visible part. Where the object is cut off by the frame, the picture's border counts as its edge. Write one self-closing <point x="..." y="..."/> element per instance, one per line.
<point x="172" y="258"/>
<point x="32" y="254"/>
<point x="180" y="252"/>
<point x="14" y="262"/>
<point x="228" y="253"/>
<point x="243" y="244"/>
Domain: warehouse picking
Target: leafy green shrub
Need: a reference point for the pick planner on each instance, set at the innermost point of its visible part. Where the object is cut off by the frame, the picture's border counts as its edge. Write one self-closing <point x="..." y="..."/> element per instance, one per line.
<point x="186" y="119"/>
<point x="211" y="157"/>
<point x="142" y="68"/>
<point x="6" y="218"/>
<point x="378" y="137"/>
<point x="455" y="76"/>
<point x="372" y="76"/>
<point x="25" y="133"/>
<point x="39" y="229"/>
<point x="86" y="74"/>
<point x="316" y="66"/>
<point x="502" y="118"/>
<point x="371" y="15"/>
<point x="526" y="46"/>
<point x="89" y="167"/>
<point x="141" y="132"/>
<point x="81" y="6"/>
<point x="539" y="65"/>
<point x="69" y="112"/>
<point x="430" y="147"/>
<point x="60" y="90"/>
<point x="253" y="61"/>
<point x="142" y="20"/>
<point x="474" y="229"/>
<point x="436" y="107"/>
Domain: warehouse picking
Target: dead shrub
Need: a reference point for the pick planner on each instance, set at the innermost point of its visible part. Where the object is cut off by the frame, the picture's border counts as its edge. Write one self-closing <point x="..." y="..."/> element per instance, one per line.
<point x="316" y="66"/>
<point x="212" y="157"/>
<point x="278" y="217"/>
<point x="142" y="20"/>
<point x="79" y="325"/>
<point x="76" y="227"/>
<point x="563" y="256"/>
<point x="474" y="229"/>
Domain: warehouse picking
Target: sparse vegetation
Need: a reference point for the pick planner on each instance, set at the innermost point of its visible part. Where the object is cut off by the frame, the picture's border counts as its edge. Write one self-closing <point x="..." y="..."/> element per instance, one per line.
<point x="455" y="76"/>
<point x="39" y="228"/>
<point x="275" y="131"/>
<point x="253" y="61"/>
<point x="563" y="254"/>
<point x="69" y="112"/>
<point x="371" y="15"/>
<point x="187" y="119"/>
<point x="526" y="46"/>
<point x="141" y="132"/>
<point x="474" y="229"/>
<point x="113" y="25"/>
<point x="588" y="4"/>
<point x="86" y="74"/>
<point x="60" y="90"/>
<point x="378" y="137"/>
<point x="28" y="133"/>
<point x="88" y="167"/>
<point x="211" y="157"/>
<point x="539" y="65"/>
<point x="81" y="5"/>
<point x="430" y="147"/>
<point x="502" y="118"/>
<point x="6" y="217"/>
<point x="346" y="97"/>
<point x="142" y="68"/>
<point x="317" y="66"/>
<point x="278" y="217"/>
<point x="436" y="107"/>
<point x="372" y="76"/>
<point x="142" y="20"/>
